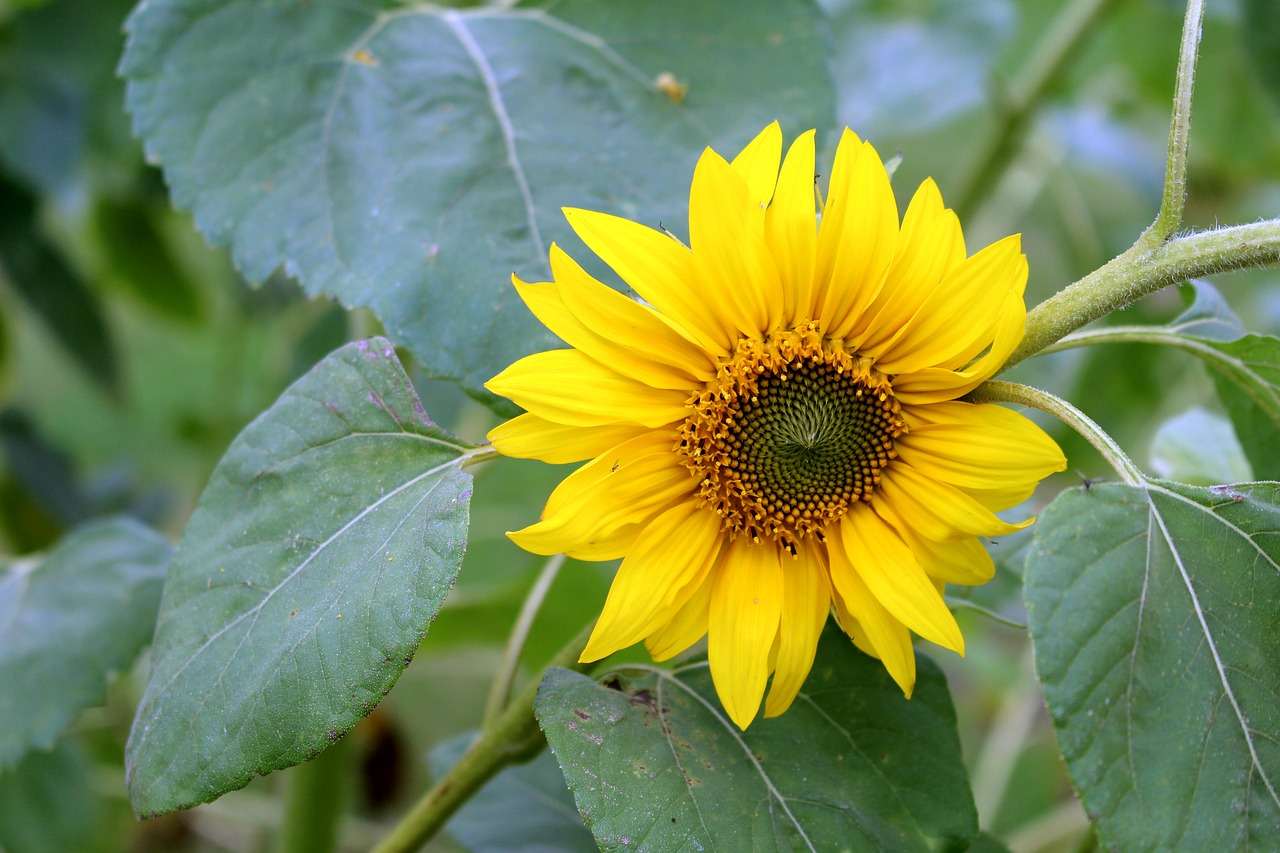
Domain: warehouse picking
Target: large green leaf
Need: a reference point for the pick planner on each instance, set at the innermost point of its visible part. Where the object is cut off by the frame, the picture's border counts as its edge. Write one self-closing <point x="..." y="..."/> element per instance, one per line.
<point x="655" y="764"/>
<point x="1157" y="637"/>
<point x="315" y="560"/>
<point x="409" y="157"/>
<point x="70" y="620"/>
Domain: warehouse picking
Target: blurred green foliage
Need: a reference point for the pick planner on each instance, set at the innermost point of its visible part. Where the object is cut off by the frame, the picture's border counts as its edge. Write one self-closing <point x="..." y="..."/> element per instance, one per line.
<point x="132" y="354"/>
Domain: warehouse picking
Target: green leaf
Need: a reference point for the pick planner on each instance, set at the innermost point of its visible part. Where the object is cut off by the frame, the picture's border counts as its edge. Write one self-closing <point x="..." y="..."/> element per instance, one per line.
<point x="1157" y="638"/>
<point x="1208" y="316"/>
<point x="1246" y="373"/>
<point x="53" y="290"/>
<point x="70" y="620"/>
<point x="317" y="557"/>
<point x="653" y="761"/>
<point x="538" y="813"/>
<point x="410" y="158"/>
<point x="47" y="804"/>
<point x="1198" y="447"/>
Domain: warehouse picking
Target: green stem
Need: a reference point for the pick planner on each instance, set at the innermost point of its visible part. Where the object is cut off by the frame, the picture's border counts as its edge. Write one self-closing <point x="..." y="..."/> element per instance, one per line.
<point x="316" y="800"/>
<point x="504" y="679"/>
<point x="1156" y="260"/>
<point x="1174" y="197"/>
<point x="1010" y="392"/>
<point x="1141" y="271"/>
<point x="476" y="455"/>
<point x="514" y="736"/>
<point x="1048" y="61"/>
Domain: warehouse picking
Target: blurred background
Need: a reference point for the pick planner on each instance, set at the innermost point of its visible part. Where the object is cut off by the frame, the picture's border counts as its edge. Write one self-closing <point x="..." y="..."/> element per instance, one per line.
<point x="131" y="354"/>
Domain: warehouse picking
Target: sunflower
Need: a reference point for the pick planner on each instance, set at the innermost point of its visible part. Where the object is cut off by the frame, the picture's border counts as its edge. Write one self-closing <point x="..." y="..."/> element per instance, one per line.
<point x="771" y="429"/>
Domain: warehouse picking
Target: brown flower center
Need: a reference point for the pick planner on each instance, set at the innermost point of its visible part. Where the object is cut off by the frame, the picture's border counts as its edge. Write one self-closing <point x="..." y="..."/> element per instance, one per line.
<point x="791" y="432"/>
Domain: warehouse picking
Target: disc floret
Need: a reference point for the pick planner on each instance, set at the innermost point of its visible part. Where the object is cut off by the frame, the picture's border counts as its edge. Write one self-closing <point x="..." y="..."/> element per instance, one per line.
<point x="791" y="432"/>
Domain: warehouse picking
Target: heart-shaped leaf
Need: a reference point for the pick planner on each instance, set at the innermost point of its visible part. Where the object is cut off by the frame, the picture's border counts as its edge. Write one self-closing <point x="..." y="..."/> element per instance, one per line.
<point x="318" y="555"/>
<point x="1157" y="635"/>
<point x="654" y="763"/>
<point x="410" y="157"/>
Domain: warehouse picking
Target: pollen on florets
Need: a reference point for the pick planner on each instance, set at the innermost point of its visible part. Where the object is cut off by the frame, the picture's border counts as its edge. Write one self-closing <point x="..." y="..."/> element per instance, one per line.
<point x="791" y="432"/>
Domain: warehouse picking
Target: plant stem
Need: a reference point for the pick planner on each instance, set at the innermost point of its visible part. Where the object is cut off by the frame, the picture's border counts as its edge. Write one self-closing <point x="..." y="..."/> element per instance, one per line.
<point x="316" y="800"/>
<point x="1174" y="197"/>
<point x="1011" y="392"/>
<point x="514" y="736"/>
<point x="1048" y="60"/>
<point x="1142" y="270"/>
<point x="1156" y="259"/>
<point x="504" y="678"/>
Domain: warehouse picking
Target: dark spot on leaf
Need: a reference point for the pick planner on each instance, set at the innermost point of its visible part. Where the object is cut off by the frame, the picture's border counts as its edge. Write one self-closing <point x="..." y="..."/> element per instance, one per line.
<point x="644" y="697"/>
<point x="582" y="715"/>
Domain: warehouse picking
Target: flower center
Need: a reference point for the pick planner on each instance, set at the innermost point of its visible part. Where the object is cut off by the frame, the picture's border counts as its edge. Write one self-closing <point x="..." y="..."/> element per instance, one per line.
<point x="791" y="432"/>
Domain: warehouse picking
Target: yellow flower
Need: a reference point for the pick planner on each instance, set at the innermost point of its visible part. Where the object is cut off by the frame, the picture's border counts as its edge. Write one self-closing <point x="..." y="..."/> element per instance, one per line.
<point x="774" y="432"/>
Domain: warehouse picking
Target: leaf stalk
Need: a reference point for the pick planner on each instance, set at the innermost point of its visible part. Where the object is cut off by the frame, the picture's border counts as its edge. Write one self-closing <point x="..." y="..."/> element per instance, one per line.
<point x="514" y="736"/>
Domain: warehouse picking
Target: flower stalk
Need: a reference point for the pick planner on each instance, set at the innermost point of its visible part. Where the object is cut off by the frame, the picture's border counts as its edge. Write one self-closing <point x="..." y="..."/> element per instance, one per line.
<point x="1010" y="392"/>
<point x="1157" y="259"/>
<point x="512" y="737"/>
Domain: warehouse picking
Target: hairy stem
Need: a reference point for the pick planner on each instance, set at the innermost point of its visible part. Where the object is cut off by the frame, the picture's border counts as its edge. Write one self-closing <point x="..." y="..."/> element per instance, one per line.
<point x="1142" y="270"/>
<point x="1010" y="392"/>
<point x="1048" y="61"/>
<point x="1157" y="259"/>
<point x="1174" y="197"/>
<point x="512" y="737"/>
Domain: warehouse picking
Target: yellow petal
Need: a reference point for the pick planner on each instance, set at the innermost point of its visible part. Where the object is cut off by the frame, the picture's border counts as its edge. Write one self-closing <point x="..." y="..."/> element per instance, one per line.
<point x="658" y="268"/>
<point x="726" y="232"/>
<point x="958" y="319"/>
<point x="746" y="606"/>
<point x="635" y="330"/>
<point x="930" y="246"/>
<point x="664" y="569"/>
<point x="935" y="510"/>
<point x="965" y="561"/>
<point x="791" y="231"/>
<point x="858" y="237"/>
<point x="594" y="512"/>
<point x="544" y="300"/>
<point x="569" y="388"/>
<point x="806" y="601"/>
<point x="878" y="627"/>
<point x="531" y="437"/>
<point x="980" y="447"/>
<point x="686" y="627"/>
<point x="935" y="384"/>
<point x="757" y="164"/>
<point x="894" y="576"/>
